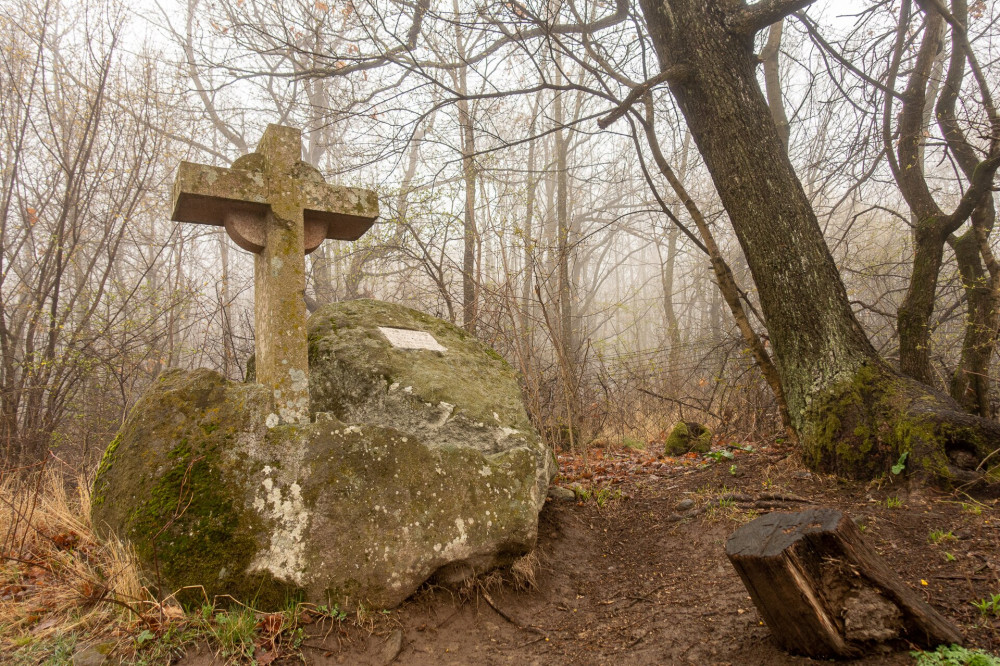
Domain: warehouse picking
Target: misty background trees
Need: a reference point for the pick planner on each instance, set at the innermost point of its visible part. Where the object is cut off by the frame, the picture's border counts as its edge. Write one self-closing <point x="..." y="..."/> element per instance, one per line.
<point x="597" y="257"/>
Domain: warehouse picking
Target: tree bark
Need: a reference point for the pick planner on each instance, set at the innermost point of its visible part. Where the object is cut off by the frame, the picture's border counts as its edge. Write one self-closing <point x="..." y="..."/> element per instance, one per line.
<point x="470" y="233"/>
<point x="772" y="81"/>
<point x="563" y="248"/>
<point x="932" y="226"/>
<point x="970" y="384"/>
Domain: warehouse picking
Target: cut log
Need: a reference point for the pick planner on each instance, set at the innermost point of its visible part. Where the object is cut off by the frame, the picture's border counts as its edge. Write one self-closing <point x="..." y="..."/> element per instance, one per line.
<point x="824" y="592"/>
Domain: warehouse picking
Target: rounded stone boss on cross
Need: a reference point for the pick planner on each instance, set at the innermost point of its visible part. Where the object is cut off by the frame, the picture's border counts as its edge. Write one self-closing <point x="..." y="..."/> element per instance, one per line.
<point x="380" y="446"/>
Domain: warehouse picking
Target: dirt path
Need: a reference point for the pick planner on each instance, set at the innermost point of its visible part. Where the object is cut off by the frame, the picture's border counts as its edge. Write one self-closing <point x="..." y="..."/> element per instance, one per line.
<point x="636" y="583"/>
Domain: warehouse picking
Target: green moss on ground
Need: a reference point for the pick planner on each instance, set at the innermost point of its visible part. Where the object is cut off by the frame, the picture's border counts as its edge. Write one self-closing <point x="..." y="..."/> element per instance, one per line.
<point x="688" y="436"/>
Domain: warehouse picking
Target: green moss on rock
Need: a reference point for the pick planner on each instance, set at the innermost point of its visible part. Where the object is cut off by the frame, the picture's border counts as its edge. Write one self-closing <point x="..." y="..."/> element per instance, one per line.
<point x="167" y="485"/>
<point x="688" y="436"/>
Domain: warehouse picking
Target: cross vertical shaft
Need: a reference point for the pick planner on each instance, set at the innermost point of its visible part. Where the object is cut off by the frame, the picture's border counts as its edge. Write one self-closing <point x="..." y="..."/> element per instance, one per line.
<point x="281" y="344"/>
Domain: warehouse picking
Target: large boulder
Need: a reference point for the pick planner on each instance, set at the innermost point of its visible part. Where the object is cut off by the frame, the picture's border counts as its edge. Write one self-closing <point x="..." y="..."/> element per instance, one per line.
<point x="418" y="464"/>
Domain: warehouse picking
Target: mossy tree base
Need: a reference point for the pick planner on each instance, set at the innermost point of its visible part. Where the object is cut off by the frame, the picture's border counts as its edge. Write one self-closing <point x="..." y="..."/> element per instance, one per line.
<point x="860" y="428"/>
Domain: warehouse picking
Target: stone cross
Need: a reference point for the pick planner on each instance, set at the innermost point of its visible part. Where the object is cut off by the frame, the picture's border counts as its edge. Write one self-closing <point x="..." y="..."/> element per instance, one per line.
<point x="275" y="205"/>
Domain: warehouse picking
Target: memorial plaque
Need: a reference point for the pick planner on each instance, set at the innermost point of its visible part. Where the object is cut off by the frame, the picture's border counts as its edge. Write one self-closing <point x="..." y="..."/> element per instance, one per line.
<point x="404" y="338"/>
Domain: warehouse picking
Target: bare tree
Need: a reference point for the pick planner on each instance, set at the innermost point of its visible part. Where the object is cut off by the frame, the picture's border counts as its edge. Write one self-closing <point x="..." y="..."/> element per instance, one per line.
<point x="80" y="162"/>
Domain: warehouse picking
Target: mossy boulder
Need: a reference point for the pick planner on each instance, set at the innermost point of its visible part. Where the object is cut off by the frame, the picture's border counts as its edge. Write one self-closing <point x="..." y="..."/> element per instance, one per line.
<point x="466" y="396"/>
<point x="417" y="464"/>
<point x="688" y="436"/>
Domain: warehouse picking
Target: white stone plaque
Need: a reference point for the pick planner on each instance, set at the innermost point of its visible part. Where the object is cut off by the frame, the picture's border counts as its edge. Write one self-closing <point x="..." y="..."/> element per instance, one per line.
<point x="404" y="338"/>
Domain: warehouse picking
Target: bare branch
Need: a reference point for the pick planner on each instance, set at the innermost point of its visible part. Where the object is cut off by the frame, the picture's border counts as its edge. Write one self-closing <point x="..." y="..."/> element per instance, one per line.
<point x="675" y="73"/>
<point x="756" y="17"/>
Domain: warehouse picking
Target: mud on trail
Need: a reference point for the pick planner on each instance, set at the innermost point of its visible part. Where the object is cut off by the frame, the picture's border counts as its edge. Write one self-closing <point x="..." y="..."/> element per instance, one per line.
<point x="644" y="578"/>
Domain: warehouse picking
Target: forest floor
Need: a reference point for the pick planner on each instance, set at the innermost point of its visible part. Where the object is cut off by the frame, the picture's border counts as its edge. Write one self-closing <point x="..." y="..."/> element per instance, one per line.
<point x="630" y="568"/>
<point x="625" y="576"/>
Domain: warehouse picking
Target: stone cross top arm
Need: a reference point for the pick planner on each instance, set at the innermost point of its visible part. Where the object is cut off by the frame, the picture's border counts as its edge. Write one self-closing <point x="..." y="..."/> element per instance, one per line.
<point x="275" y="205"/>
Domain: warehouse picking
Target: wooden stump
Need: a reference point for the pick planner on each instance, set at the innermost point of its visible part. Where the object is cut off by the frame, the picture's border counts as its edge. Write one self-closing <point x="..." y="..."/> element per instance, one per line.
<point x="824" y="592"/>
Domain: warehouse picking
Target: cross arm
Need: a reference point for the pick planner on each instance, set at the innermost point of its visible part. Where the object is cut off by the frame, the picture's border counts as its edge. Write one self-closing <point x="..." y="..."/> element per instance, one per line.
<point x="206" y="194"/>
<point x="346" y="212"/>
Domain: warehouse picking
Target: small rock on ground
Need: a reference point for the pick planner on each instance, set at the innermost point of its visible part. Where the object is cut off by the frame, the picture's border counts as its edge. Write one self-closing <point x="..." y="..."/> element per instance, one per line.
<point x="392" y="647"/>
<point x="90" y="656"/>
<point x="560" y="493"/>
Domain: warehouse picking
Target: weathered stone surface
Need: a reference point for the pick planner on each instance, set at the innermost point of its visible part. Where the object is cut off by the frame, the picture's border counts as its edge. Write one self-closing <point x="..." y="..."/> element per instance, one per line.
<point x="422" y="464"/>
<point x="688" y="436"/>
<point x="685" y="504"/>
<point x="465" y="397"/>
<point x="93" y="655"/>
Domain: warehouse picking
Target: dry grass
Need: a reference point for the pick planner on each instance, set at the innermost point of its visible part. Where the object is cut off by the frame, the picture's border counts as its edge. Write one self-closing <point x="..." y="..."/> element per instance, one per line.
<point x="62" y="589"/>
<point x="58" y="581"/>
<point x="523" y="572"/>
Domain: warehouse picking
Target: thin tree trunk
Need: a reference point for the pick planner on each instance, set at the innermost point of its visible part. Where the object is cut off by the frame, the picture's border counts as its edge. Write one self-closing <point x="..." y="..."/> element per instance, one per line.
<point x="470" y="234"/>
<point x="528" y="239"/>
<point x="563" y="248"/>
<point x="772" y="81"/>
<point x="670" y="323"/>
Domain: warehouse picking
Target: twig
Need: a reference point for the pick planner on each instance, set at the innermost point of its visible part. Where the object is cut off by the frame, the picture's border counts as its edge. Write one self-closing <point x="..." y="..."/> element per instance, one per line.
<point x="489" y="600"/>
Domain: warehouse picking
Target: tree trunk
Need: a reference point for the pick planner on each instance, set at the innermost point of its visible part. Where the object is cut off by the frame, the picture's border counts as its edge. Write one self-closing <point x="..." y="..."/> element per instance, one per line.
<point x="470" y="235"/>
<point x="470" y="231"/>
<point x="772" y="81"/>
<point x="854" y="414"/>
<point x="970" y="384"/>
<point x="563" y="249"/>
<point x="528" y="238"/>
<point x="931" y="225"/>
<point x="671" y="326"/>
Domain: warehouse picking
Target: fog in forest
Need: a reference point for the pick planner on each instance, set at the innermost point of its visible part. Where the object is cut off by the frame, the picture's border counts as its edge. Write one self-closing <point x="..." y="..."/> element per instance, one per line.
<point x="539" y="187"/>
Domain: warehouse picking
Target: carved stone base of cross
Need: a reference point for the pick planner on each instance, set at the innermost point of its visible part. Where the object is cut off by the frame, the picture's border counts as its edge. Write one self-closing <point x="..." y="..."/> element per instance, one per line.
<point x="275" y="205"/>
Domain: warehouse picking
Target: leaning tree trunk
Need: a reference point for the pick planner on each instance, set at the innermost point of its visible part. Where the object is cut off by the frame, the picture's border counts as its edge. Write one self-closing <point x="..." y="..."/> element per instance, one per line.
<point x="854" y="414"/>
